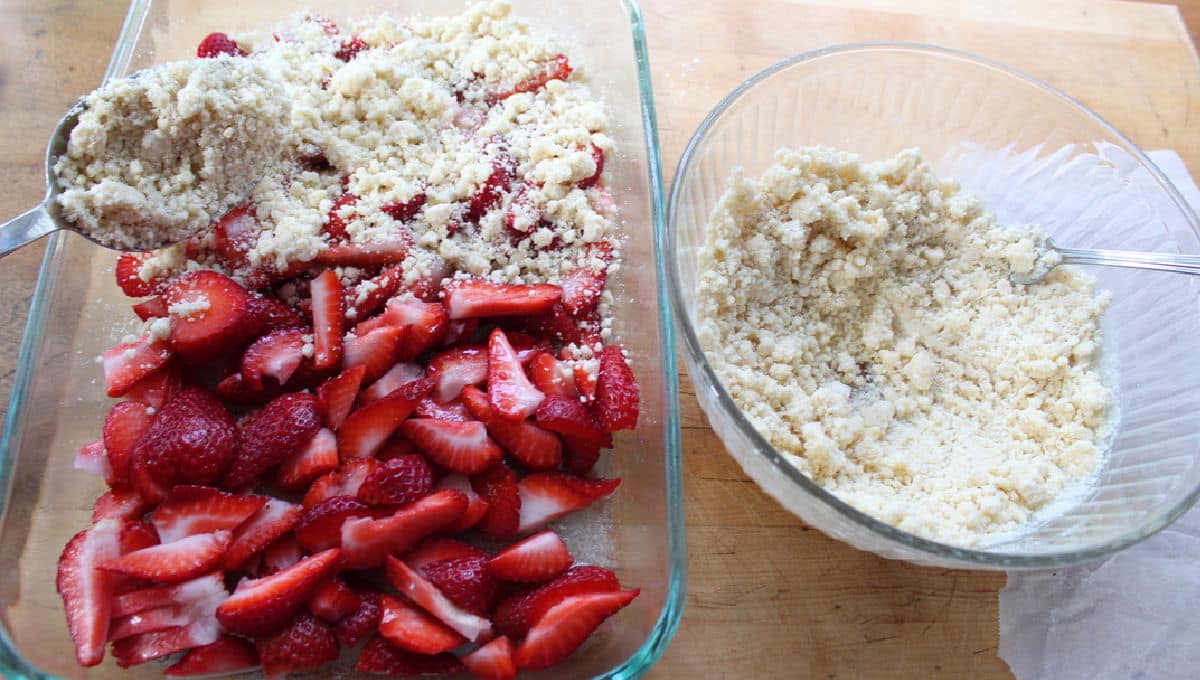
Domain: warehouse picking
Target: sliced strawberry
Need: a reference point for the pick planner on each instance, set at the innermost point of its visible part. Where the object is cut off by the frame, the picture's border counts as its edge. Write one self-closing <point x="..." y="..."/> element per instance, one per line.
<point x="405" y="210"/>
<point x="557" y="69"/>
<point x="465" y="581"/>
<point x="320" y="528"/>
<point x="209" y="314"/>
<point x="477" y="507"/>
<point x="139" y="649"/>
<point x="527" y="443"/>
<point x="92" y="457"/>
<point x="173" y="562"/>
<point x="179" y="596"/>
<point x="585" y="379"/>
<point x="329" y="320"/>
<point x="272" y="314"/>
<point x="369" y="296"/>
<point x="474" y="298"/>
<point x="566" y="625"/>
<point x="280" y="555"/>
<point x="456" y="368"/>
<point x="86" y="590"/>
<point x="398" y="481"/>
<point x="439" y="548"/>
<point x="489" y="194"/>
<point x="579" y="457"/>
<point x="366" y="430"/>
<point x="509" y="389"/>
<point x="137" y="534"/>
<point x="228" y="654"/>
<point x="547" y="496"/>
<point x="276" y="355"/>
<point x="460" y="332"/>
<point x="410" y="627"/>
<point x="262" y="606"/>
<point x="191" y="604"/>
<point x="124" y="425"/>
<point x="129" y="278"/>
<point x="426" y="323"/>
<point x="235" y="234"/>
<point x="583" y="285"/>
<point x="498" y="486"/>
<point x="120" y="504"/>
<point x="344" y="482"/>
<point x="318" y="457"/>
<point x="333" y="600"/>
<point x="192" y="440"/>
<point x="366" y="542"/>
<point x="493" y="661"/>
<point x="397" y="376"/>
<point x="285" y="425"/>
<point x="418" y="589"/>
<point x="598" y="157"/>
<point x="157" y="388"/>
<point x="273" y="520"/>
<point x="129" y="362"/>
<point x="456" y="446"/>
<point x="335" y="398"/>
<point x="548" y="376"/>
<point x="396" y="447"/>
<point x="572" y="419"/>
<point x="216" y="44"/>
<point x="148" y="621"/>
<point x="616" y="392"/>
<point x="151" y="308"/>
<point x="516" y="613"/>
<point x="453" y="410"/>
<point x="381" y="656"/>
<point x="335" y="224"/>
<point x="191" y="510"/>
<point x="540" y="557"/>
<point x="376" y="351"/>
<point x="306" y="643"/>
<point x="365" y="254"/>
<point x="355" y="627"/>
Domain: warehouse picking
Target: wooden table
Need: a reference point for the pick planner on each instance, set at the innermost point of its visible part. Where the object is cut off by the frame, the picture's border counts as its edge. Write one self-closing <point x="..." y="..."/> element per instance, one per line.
<point x="768" y="596"/>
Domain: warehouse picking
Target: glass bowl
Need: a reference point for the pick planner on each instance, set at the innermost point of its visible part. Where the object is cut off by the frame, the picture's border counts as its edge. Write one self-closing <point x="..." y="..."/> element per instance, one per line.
<point x="1034" y="155"/>
<point x="58" y="400"/>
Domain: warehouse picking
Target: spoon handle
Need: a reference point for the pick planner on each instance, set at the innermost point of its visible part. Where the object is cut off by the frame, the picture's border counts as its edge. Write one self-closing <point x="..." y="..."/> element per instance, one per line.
<point x="1182" y="264"/>
<point x="29" y="226"/>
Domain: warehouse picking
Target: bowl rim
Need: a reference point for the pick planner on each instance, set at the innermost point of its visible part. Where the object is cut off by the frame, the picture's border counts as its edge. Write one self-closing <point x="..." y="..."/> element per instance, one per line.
<point x="696" y="357"/>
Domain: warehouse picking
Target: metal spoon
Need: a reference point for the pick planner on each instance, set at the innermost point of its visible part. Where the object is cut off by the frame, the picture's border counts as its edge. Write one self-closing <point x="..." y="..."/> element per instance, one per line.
<point x="1050" y="256"/>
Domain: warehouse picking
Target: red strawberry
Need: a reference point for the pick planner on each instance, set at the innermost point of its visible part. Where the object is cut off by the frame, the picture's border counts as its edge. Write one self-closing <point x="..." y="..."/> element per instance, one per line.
<point x="329" y="320"/>
<point x="149" y="621"/>
<point x="286" y="424"/>
<point x="128" y="271"/>
<point x="509" y="390"/>
<point x="453" y="410"/>
<point x="192" y="440"/>
<point x="410" y="627"/>
<point x="405" y="210"/>
<point x="318" y="457"/>
<point x="354" y="628"/>
<point x="439" y="548"/>
<point x="558" y="69"/>
<point x="540" y="557"/>
<point x="343" y="482"/>
<point x="188" y="594"/>
<point x="598" y="157"/>
<point x="92" y="457"/>
<point x="527" y="443"/>
<point x="547" y="496"/>
<point x="320" y="528"/>
<point x="124" y="425"/>
<point x="235" y="234"/>
<point x="86" y="590"/>
<point x="398" y="481"/>
<point x="173" y="562"/>
<point x="395" y="448"/>
<point x="579" y="457"/>
<point x="456" y="368"/>
<point x="565" y="626"/>
<point x="366" y="254"/>
<point x="477" y="507"/>
<point x="458" y="447"/>
<point x="488" y="195"/>
<point x="366" y="541"/>
<point x="493" y="661"/>
<point x="336" y="396"/>
<point x="280" y="555"/>
<point x="305" y="644"/>
<point x="418" y="589"/>
<point x="369" y="296"/>
<point x="333" y="600"/>
<point x="583" y="285"/>
<point x="397" y="376"/>
<point x="273" y="520"/>
<point x="335" y="224"/>
<point x="585" y="379"/>
<point x="137" y="534"/>
<point x="157" y="388"/>
<point x="191" y="604"/>
<point x="272" y="314"/>
<point x="139" y="649"/>
<point x="262" y="606"/>
<point x="465" y="581"/>
<point x="376" y="351"/>
<point x="515" y="614"/>
<point x="426" y="323"/>
<point x="350" y="48"/>
<point x="151" y="308"/>
<point x="473" y="298"/>
<point x="616" y="392"/>
<point x="366" y="430"/>
<point x="193" y="510"/>
<point x="276" y="355"/>
<point x="120" y="504"/>
<point x="228" y="654"/>
<point x="129" y="362"/>
<point x="216" y="44"/>
<point x="210" y="314"/>
<point x="571" y="419"/>
<point x="548" y="376"/>
<point x="381" y="656"/>
<point x="498" y="486"/>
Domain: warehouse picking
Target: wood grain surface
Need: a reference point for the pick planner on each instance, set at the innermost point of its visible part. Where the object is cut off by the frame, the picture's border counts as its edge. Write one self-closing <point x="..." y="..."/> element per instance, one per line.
<point x="768" y="597"/>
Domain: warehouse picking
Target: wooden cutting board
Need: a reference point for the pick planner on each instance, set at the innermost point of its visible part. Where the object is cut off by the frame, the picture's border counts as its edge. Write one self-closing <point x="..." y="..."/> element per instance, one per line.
<point x="769" y="597"/>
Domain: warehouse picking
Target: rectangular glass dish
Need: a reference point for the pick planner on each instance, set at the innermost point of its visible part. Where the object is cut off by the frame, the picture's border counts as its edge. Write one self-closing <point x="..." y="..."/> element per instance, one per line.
<point x="58" y="400"/>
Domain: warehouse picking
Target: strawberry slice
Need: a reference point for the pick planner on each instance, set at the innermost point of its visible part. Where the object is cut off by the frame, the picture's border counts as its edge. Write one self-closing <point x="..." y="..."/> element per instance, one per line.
<point x="86" y="590"/>
<point x="262" y="606"/>
<point x="216" y="44"/>
<point x="128" y="271"/>
<point x="540" y="557"/>
<point x="329" y="320"/>
<point x="410" y="627"/>
<point x="276" y="355"/>
<point x="271" y="314"/>
<point x="235" y="234"/>
<point x="318" y="457"/>
<point x="188" y="604"/>
<point x="405" y="210"/>
<point x="395" y="447"/>
<point x="227" y="655"/>
<point x="527" y="443"/>
<point x="493" y="661"/>
<point x="466" y="582"/>
<point x="354" y="628"/>
<point x="306" y="643"/>
<point x="566" y="625"/>
<point x="397" y="376"/>
<point x="343" y="482"/>
<point x="148" y="621"/>
<point x="509" y="389"/>
<point x="335" y="398"/>
<point x="285" y="425"/>
<point x="333" y="600"/>
<point x="209" y="313"/>
<point x="572" y="419"/>
<point x="453" y="410"/>
<point x="335" y="224"/>
<point x="398" y="481"/>
<point x="381" y="656"/>
<point x="616" y="392"/>
<point x="280" y="555"/>
<point x="585" y="379"/>
<point x="583" y="285"/>
<point x="416" y="588"/>
<point x="366" y="542"/>
<point x="547" y="496"/>
<point x="558" y="68"/>
<point x="180" y="596"/>
<point x="151" y="308"/>
<point x="439" y="548"/>
<point x="376" y="351"/>
<point x="454" y="369"/>
<point x="157" y="388"/>
<point x="475" y="298"/>
<point x="272" y="521"/>
<point x="489" y="194"/>
<point x="119" y="504"/>
<point x="320" y="528"/>
<point x="579" y="457"/>
<point x="548" y="376"/>
<point x="365" y="254"/>
<point x="124" y="425"/>
<point x="458" y="447"/>
<point x="191" y="510"/>
<point x="366" y="430"/>
<point x="476" y="506"/>
<point x="137" y="534"/>
<point x="92" y="457"/>
<point x="139" y="649"/>
<point x="176" y="561"/>
<point x="598" y="157"/>
<point x="369" y="296"/>
<point x="129" y="362"/>
<point x="498" y="487"/>
<point x="426" y="323"/>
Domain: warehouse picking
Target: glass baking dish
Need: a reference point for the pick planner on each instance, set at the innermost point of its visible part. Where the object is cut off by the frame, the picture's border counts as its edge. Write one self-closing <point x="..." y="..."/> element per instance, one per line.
<point x="58" y="400"/>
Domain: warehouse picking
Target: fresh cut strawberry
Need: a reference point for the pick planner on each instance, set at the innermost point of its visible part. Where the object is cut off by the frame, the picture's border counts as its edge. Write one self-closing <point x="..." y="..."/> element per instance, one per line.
<point x="235" y="234"/>
<point x="139" y="649"/>
<point x="548" y="376"/>
<point x="216" y="44"/>
<point x="566" y="625"/>
<point x="285" y="425"/>
<point x="130" y="362"/>
<point x="477" y="507"/>
<point x="418" y="589"/>
<point x="335" y="223"/>
<point x="398" y="481"/>
<point x="498" y="487"/>
<point x="320" y="527"/>
<point x="355" y="627"/>
<point x="586" y="375"/>
<point x="335" y="398"/>
<point x="369" y="296"/>
<point x="540" y="557"/>
<point x="173" y="562"/>
<point x="280" y="555"/>
<point x="263" y="606"/>
<point x="426" y="323"/>
<point x="276" y="355"/>
<point x="333" y="600"/>
<point x="366" y="254"/>
<point x="457" y="446"/>
<point x="475" y="298"/>
<point x="92" y="457"/>
<point x="381" y="656"/>
<point x="272" y="314"/>
<point x="493" y="661"/>
<point x="317" y="457"/>
<point x="376" y="351"/>
<point x="404" y="210"/>
<point x="209" y="313"/>
<point x="453" y="410"/>
<point x="272" y="521"/>
<point x="151" y="308"/>
<point x="137" y="534"/>
<point x="396" y="377"/>
<point x="616" y="392"/>
<point x="190" y="510"/>
<point x="528" y="444"/>
<point x="559" y="68"/>
<point x="547" y="496"/>
<point x="329" y="320"/>
<point x="306" y="643"/>
<point x="366" y="430"/>
<point x="598" y="157"/>
<point x="366" y="541"/>
<point x="579" y="457"/>
<point x="86" y="589"/>
<point x="572" y="419"/>
<point x="516" y="613"/>
<point x="490" y="192"/>
<point x="124" y="425"/>
<point x="409" y="627"/>
<point x="189" y="604"/>
<point x="119" y="504"/>
<point x="192" y="440"/>
<point x="227" y="655"/>
<point x="509" y="390"/>
<point x="439" y="548"/>
<point x="454" y="369"/>
<point x="345" y="481"/>
<point x="465" y="581"/>
<point x="128" y="272"/>
<point x="157" y="388"/>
